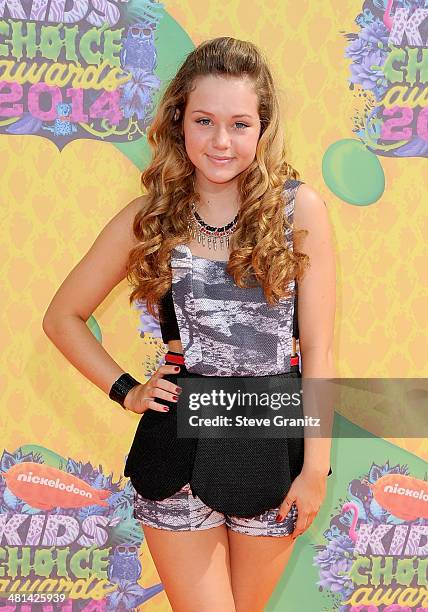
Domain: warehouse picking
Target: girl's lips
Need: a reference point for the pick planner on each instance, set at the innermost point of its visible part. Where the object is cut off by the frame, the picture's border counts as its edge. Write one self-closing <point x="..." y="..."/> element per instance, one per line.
<point x="220" y="162"/>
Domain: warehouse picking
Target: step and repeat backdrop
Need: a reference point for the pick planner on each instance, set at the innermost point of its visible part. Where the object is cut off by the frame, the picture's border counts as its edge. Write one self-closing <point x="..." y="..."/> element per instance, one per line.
<point x="79" y="84"/>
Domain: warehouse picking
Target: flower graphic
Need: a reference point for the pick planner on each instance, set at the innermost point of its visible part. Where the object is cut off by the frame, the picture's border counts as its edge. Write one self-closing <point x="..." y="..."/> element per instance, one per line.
<point x="149" y="324"/>
<point x="369" y="73"/>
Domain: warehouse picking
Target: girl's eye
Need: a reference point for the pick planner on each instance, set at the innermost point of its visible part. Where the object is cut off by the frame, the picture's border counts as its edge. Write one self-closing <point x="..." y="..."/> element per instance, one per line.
<point x="236" y="123"/>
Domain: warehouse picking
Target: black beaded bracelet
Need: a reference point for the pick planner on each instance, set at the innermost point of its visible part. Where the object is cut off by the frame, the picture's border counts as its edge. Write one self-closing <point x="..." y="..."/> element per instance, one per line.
<point x="120" y="388"/>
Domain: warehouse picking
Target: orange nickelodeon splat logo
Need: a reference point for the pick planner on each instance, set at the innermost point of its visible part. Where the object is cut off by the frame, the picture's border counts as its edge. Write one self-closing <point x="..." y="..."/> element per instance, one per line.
<point x="46" y="487"/>
<point x="403" y="496"/>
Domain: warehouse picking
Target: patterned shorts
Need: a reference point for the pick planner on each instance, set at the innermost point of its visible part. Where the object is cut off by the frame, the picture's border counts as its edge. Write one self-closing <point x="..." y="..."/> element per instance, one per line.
<point x="185" y="512"/>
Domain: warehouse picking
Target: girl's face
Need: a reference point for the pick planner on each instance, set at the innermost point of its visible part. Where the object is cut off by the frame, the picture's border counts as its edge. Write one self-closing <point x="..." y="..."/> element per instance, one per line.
<point x="221" y="120"/>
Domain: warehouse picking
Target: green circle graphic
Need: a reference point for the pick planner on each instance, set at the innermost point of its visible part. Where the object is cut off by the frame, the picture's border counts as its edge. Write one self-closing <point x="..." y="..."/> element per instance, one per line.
<point x="353" y="173"/>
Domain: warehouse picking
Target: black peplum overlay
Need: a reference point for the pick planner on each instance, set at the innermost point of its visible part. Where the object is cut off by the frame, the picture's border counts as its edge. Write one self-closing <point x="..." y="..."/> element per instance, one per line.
<point x="240" y="477"/>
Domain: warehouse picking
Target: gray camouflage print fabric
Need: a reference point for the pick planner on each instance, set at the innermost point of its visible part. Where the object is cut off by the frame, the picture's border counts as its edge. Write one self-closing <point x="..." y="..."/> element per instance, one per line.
<point x="227" y="330"/>
<point x="185" y="511"/>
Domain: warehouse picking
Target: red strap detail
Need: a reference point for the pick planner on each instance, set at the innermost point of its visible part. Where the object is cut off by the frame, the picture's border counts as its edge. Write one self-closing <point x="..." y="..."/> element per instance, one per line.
<point x="180" y="359"/>
<point x="174" y="358"/>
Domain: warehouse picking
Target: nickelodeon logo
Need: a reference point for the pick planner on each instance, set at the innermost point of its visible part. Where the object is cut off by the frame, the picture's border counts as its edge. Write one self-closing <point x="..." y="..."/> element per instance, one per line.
<point x="410" y="492"/>
<point x="57" y="484"/>
<point x="403" y="496"/>
<point x="46" y="487"/>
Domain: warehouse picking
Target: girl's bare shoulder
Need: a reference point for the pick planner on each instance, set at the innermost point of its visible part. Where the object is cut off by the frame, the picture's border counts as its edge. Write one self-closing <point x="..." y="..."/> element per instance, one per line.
<point x="102" y="268"/>
<point x="308" y="201"/>
<point x="310" y="211"/>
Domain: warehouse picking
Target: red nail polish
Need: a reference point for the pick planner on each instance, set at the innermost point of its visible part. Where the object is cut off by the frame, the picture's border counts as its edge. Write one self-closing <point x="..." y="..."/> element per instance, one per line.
<point x="177" y="368"/>
<point x="279" y="518"/>
<point x="165" y="409"/>
<point x="174" y="397"/>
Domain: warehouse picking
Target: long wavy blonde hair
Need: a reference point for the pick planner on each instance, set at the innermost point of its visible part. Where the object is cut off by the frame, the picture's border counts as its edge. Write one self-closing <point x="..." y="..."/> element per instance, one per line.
<point x="259" y="253"/>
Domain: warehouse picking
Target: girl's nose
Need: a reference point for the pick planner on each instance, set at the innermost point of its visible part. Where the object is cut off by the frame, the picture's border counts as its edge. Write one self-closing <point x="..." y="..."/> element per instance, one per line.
<point x="221" y="137"/>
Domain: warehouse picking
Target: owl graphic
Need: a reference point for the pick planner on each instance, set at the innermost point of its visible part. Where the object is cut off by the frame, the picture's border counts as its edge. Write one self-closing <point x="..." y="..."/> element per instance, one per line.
<point x="124" y="570"/>
<point x="138" y="48"/>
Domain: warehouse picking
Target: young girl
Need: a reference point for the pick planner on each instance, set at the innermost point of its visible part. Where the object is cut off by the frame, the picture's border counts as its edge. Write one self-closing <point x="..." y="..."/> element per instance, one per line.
<point x="214" y="248"/>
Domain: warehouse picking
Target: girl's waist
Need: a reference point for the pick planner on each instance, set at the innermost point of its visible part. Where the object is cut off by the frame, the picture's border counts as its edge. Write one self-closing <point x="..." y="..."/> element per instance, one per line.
<point x="173" y="358"/>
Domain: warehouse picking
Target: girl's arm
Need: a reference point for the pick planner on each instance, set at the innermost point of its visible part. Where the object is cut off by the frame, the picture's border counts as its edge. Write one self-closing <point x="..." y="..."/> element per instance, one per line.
<point x="88" y="284"/>
<point x="316" y="313"/>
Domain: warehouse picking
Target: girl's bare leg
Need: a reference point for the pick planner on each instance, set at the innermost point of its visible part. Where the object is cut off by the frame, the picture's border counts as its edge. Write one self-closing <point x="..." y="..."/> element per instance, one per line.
<point x="257" y="564"/>
<point x="194" y="568"/>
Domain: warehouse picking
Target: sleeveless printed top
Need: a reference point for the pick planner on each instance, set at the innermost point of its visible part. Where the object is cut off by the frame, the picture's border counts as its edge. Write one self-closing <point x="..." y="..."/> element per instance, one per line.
<point x="227" y="330"/>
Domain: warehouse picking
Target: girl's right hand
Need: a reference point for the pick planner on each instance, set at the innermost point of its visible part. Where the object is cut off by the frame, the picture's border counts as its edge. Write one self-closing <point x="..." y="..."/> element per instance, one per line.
<point x="140" y="398"/>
